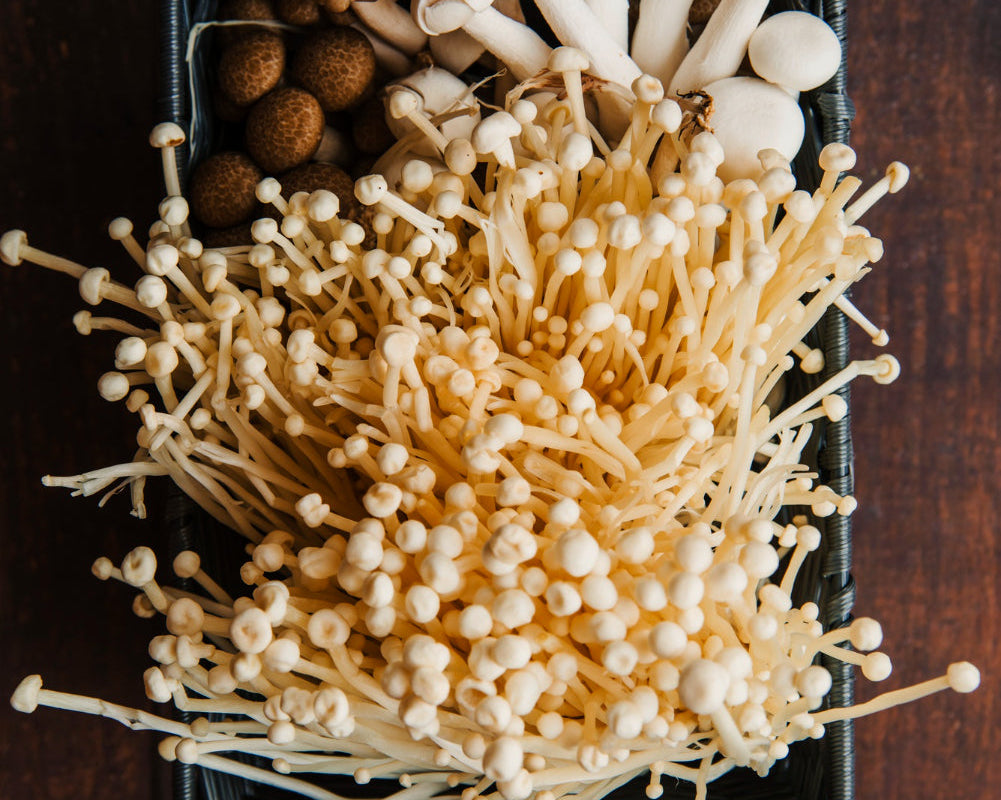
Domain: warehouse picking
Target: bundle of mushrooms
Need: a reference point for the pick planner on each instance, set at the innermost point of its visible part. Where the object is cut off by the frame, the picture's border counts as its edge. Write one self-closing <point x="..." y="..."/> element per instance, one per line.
<point x="510" y="477"/>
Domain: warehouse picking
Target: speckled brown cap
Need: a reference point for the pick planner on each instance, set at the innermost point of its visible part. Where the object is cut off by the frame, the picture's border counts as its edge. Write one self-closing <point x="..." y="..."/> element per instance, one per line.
<point x="310" y="177"/>
<point x="246" y="9"/>
<point x="298" y="12"/>
<point x="251" y="66"/>
<point x="284" y="129"/>
<point x="337" y="65"/>
<point x="221" y="192"/>
<point x="251" y="10"/>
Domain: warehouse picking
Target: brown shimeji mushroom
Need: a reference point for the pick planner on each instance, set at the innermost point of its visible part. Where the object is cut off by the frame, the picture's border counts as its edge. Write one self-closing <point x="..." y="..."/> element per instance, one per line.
<point x="298" y="12"/>
<point x="250" y="11"/>
<point x="336" y="65"/>
<point x="251" y="67"/>
<point x="222" y="188"/>
<point x="284" y="129"/>
<point x="509" y="476"/>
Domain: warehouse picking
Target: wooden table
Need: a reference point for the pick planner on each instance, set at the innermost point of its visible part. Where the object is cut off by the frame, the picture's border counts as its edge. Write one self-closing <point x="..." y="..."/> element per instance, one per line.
<point x="77" y="91"/>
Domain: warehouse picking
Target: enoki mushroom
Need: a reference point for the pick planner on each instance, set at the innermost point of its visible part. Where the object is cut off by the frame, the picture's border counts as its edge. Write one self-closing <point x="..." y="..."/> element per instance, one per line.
<point x="510" y="478"/>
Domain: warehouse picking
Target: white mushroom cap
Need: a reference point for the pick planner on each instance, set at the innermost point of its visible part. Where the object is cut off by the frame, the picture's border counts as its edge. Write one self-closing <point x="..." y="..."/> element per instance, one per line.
<point x="751" y="115"/>
<point x="25" y="697"/>
<point x="250" y="631"/>
<point x="167" y="134"/>
<point x="436" y="17"/>
<point x="494" y="132"/>
<point x="438" y="91"/>
<point x="703" y="686"/>
<point x="963" y="677"/>
<point x="795" y="50"/>
<point x="139" y="567"/>
<point x="12" y="244"/>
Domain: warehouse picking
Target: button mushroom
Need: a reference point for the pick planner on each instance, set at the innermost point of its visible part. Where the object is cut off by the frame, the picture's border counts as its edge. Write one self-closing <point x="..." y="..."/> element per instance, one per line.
<point x="749" y="116"/>
<point x="251" y="67"/>
<point x="298" y="12"/>
<point x="222" y="189"/>
<point x="796" y="50"/>
<point x="284" y="129"/>
<point x="336" y="66"/>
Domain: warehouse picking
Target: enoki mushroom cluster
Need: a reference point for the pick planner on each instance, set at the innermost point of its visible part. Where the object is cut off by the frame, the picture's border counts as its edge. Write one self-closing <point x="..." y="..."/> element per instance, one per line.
<point x="510" y="477"/>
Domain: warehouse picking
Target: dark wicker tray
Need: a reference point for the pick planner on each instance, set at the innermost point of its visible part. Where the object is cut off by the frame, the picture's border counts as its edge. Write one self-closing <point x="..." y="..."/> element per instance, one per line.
<point x="821" y="769"/>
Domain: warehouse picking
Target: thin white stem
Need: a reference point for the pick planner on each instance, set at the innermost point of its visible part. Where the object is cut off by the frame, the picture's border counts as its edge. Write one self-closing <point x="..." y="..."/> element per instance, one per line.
<point x="660" y="40"/>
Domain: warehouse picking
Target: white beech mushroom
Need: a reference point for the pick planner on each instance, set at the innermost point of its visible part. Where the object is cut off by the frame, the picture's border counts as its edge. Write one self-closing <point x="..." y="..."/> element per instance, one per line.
<point x="392" y="23"/>
<point x="508" y="475"/>
<point x="435" y="92"/>
<point x="660" y="39"/>
<point x="520" y="48"/>
<point x="750" y="116"/>
<point x="795" y="50"/>
<point x="722" y="46"/>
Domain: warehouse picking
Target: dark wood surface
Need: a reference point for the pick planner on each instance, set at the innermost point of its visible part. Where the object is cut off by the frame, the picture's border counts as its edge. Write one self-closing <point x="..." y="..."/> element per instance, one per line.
<point x="77" y="98"/>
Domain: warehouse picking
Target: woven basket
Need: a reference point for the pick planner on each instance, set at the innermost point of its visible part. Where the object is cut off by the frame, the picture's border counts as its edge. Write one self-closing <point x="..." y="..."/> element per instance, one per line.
<point x="821" y="769"/>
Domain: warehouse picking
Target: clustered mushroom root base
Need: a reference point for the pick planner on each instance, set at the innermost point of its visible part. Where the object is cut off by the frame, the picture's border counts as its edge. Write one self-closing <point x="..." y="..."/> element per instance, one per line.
<point x="510" y="477"/>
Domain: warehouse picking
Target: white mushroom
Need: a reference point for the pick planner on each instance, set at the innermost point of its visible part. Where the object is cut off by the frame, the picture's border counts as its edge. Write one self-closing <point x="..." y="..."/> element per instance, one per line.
<point x="749" y="116"/>
<point x="391" y="23"/>
<point x="660" y="39"/>
<point x="614" y="16"/>
<point x="437" y="91"/>
<point x="509" y="476"/>
<point x="721" y="47"/>
<point x="455" y="50"/>
<point x="167" y="137"/>
<point x="514" y="43"/>
<point x="394" y="61"/>
<point x="575" y="24"/>
<point x="795" y="50"/>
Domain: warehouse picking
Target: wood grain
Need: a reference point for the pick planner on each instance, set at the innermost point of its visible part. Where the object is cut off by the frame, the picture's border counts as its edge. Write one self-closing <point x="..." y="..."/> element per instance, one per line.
<point x="927" y="83"/>
<point x="77" y="92"/>
<point x="76" y="100"/>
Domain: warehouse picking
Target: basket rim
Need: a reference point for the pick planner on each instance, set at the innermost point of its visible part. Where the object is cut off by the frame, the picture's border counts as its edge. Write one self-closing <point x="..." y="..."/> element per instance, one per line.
<point x="829" y="113"/>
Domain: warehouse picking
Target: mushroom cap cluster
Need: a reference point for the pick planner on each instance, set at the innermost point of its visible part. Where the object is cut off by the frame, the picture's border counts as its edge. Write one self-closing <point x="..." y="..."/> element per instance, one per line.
<point x="510" y="477"/>
<point x="284" y="72"/>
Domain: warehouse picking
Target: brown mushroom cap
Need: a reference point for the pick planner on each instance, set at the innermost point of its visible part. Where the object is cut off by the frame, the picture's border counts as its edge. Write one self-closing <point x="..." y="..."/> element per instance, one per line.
<point x="298" y="12"/>
<point x="335" y="6"/>
<point x="284" y="129"/>
<point x="251" y="67"/>
<point x="251" y="10"/>
<point x="222" y="187"/>
<point x="310" y="177"/>
<point x="246" y="9"/>
<point x="337" y="65"/>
